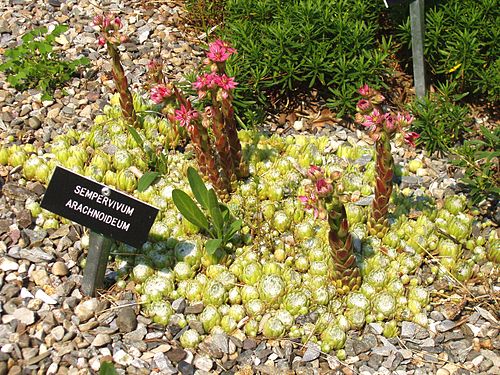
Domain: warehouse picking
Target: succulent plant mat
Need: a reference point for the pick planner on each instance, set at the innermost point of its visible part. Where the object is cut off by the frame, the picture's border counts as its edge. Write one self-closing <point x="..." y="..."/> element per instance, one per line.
<point x="276" y="281"/>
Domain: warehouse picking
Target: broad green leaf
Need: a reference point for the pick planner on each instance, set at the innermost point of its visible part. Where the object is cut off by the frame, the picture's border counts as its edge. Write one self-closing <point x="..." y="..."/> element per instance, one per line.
<point x="212" y="245"/>
<point x="233" y="228"/>
<point x="137" y="137"/>
<point x="215" y="212"/>
<point x="107" y="368"/>
<point x="146" y="180"/>
<point x="189" y="209"/>
<point x="198" y="187"/>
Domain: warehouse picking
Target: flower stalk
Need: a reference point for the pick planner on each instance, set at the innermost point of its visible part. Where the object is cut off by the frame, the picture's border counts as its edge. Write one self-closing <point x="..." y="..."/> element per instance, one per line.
<point x="215" y="136"/>
<point x="382" y="127"/>
<point x="323" y="196"/>
<point x="112" y="38"/>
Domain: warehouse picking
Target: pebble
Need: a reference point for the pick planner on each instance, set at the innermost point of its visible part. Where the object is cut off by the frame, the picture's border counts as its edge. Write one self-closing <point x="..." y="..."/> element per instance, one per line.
<point x="203" y="363"/>
<point x="126" y="320"/>
<point x="24" y="315"/>
<point x="85" y="310"/>
<point x="101" y="339"/>
<point x="60" y="269"/>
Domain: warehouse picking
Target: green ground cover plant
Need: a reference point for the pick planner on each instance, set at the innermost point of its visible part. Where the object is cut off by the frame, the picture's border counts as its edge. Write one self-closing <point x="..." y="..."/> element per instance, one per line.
<point x="35" y="64"/>
<point x="441" y="120"/>
<point x="286" y="47"/>
<point x="480" y="158"/>
<point x="462" y="44"/>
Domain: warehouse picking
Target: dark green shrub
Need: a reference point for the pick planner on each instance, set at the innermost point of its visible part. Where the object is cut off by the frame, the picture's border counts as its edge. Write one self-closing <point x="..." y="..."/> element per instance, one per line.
<point x="440" y="120"/>
<point x="285" y="47"/>
<point x="480" y="158"/>
<point x="34" y="64"/>
<point x="462" y="44"/>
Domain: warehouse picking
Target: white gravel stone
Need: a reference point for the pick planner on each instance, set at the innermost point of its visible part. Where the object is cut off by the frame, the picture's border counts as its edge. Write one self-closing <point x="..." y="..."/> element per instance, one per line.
<point x="122" y="358"/>
<point x="7" y="265"/>
<point x="24" y="315"/>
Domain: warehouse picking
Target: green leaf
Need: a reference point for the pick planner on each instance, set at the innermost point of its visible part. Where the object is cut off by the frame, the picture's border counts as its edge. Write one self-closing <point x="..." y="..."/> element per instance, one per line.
<point x="189" y="209"/>
<point x="215" y="212"/>
<point x="198" y="187"/>
<point x="107" y="368"/>
<point x="146" y="180"/>
<point x="212" y="245"/>
<point x="137" y="137"/>
<point x="233" y="228"/>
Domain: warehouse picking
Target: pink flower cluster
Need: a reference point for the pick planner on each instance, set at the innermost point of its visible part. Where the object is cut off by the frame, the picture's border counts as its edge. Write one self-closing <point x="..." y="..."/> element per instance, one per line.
<point x="110" y="26"/>
<point x="219" y="51"/>
<point x="159" y="93"/>
<point x="185" y="115"/>
<point x="375" y="120"/>
<point x="321" y="189"/>
<point x="208" y="81"/>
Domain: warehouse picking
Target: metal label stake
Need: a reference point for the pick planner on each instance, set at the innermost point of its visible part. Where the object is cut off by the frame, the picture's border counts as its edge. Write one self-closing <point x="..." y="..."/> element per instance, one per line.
<point x="97" y="261"/>
<point x="417" y="20"/>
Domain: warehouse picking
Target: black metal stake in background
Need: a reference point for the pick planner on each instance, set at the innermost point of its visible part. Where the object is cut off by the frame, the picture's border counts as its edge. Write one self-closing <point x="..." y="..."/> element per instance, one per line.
<point x="97" y="260"/>
<point x="417" y="20"/>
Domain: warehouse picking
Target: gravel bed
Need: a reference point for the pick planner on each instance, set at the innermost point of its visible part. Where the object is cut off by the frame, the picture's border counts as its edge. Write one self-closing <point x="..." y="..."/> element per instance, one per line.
<point x="48" y="327"/>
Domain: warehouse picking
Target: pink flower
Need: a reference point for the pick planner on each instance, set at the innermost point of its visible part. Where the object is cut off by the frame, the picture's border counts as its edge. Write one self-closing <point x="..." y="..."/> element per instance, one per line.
<point x="363" y="105"/>
<point x="185" y="115"/>
<point x="365" y="90"/>
<point x="323" y="188"/>
<point x="101" y="41"/>
<point x="97" y="21"/>
<point x="160" y="92"/>
<point x="310" y="202"/>
<point x="314" y="172"/>
<point x="410" y="138"/>
<point x="374" y="120"/>
<point x="202" y="82"/>
<point x="404" y="120"/>
<point x="390" y="124"/>
<point x="118" y="22"/>
<point x="219" y="51"/>
<point x="226" y="45"/>
<point x="224" y="82"/>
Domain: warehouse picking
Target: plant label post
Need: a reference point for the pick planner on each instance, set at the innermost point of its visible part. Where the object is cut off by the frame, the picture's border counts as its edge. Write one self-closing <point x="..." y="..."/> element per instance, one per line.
<point x="417" y="21"/>
<point x="110" y="215"/>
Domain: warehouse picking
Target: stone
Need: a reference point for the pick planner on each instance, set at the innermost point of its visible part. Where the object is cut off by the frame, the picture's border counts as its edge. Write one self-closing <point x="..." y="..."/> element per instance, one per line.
<point x="312" y="352"/>
<point x="57" y="333"/>
<point x="41" y="295"/>
<point x="249" y="344"/>
<point x="101" y="339"/>
<point x="40" y="277"/>
<point x="60" y="269"/>
<point x="25" y="316"/>
<point x="34" y="123"/>
<point x="194" y="309"/>
<point x="186" y="368"/>
<point x="136" y="335"/>
<point x="7" y="264"/>
<point x="164" y="364"/>
<point x="126" y="320"/>
<point x="176" y="355"/>
<point x="86" y="309"/>
<point x="408" y="330"/>
<point x="35" y="255"/>
<point x="221" y="341"/>
<point x="203" y="363"/>
<point x="122" y="358"/>
<point x="446" y="325"/>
